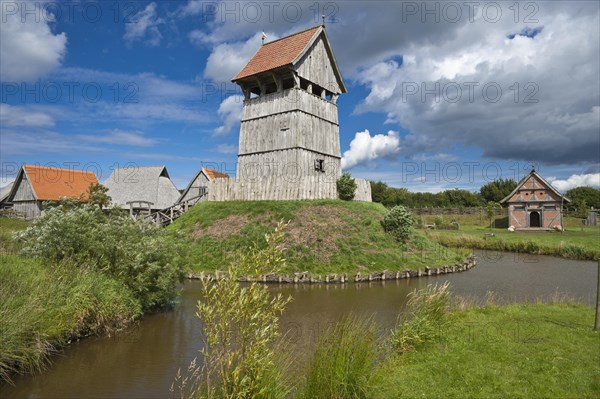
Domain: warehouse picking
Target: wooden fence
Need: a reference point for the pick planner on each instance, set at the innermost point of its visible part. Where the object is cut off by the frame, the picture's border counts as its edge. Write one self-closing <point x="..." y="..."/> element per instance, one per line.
<point x="303" y="188"/>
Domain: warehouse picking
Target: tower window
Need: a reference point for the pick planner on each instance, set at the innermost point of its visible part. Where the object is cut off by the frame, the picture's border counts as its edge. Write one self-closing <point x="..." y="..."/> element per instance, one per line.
<point x="320" y="165"/>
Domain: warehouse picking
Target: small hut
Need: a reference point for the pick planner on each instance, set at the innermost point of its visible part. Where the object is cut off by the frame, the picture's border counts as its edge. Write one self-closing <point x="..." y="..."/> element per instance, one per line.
<point x="535" y="205"/>
<point x="36" y="184"/>
<point x="199" y="185"/>
<point x="142" y="189"/>
<point x="4" y="193"/>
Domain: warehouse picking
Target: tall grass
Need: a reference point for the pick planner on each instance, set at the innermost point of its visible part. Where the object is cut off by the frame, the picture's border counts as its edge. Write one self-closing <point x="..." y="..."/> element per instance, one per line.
<point x="344" y="362"/>
<point x="427" y="318"/>
<point x="565" y="250"/>
<point x="43" y="309"/>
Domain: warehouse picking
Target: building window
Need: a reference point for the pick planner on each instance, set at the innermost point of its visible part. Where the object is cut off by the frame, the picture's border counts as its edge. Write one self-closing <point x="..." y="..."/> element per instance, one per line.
<point x="320" y="165"/>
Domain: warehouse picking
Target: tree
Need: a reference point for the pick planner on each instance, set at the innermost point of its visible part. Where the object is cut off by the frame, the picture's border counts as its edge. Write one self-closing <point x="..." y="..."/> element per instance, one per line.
<point x="491" y="206"/>
<point x="97" y="195"/>
<point x="346" y="187"/>
<point x="379" y="191"/>
<point x="496" y="190"/>
<point x="588" y="194"/>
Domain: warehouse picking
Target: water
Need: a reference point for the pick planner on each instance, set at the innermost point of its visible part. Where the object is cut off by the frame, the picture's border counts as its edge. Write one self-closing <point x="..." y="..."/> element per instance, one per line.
<point x="142" y="362"/>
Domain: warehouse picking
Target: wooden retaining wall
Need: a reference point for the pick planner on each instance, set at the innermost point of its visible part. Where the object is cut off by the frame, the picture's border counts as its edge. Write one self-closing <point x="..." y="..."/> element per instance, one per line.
<point x="307" y="278"/>
<point x="302" y="188"/>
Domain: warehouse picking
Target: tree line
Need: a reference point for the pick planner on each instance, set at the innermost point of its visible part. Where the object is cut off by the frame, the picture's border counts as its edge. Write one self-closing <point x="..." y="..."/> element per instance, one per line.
<point x="493" y="191"/>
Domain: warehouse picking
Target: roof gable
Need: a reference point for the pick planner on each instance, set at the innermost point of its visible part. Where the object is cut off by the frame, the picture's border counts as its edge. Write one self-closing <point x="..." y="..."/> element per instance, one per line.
<point x="142" y="183"/>
<point x="288" y="50"/>
<point x="210" y="174"/>
<point x="52" y="184"/>
<point x="535" y="178"/>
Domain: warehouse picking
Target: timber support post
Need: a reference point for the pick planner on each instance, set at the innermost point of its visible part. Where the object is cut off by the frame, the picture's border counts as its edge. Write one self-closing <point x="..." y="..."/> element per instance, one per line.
<point x="597" y="321"/>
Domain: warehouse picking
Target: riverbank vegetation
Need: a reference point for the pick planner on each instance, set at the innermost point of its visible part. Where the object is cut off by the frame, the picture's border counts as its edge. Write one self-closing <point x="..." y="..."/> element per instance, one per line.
<point x="441" y="346"/>
<point x="77" y="271"/>
<point x="573" y="243"/>
<point x="326" y="236"/>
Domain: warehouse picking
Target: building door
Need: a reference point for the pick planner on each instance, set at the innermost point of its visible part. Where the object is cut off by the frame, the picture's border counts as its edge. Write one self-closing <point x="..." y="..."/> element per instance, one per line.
<point x="534" y="219"/>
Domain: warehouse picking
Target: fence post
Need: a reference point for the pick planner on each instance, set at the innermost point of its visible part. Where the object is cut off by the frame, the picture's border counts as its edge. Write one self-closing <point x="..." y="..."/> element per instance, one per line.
<point x="597" y="322"/>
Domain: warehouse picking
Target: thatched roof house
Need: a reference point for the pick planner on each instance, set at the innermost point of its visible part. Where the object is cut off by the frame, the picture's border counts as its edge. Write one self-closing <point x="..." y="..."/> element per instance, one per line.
<point x="144" y="187"/>
<point x="199" y="183"/>
<point x="36" y="184"/>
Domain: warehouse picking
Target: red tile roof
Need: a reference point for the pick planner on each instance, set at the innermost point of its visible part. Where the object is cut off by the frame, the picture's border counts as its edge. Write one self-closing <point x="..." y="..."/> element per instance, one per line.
<point x="50" y="184"/>
<point x="215" y="174"/>
<point x="277" y="53"/>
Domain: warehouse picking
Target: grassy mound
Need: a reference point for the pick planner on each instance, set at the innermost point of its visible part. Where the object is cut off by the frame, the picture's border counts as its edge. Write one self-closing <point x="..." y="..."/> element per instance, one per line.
<point x="325" y="236"/>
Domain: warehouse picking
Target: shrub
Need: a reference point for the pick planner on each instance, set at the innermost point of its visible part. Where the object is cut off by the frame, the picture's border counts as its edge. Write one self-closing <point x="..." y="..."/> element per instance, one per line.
<point x="241" y="324"/>
<point x="137" y="253"/>
<point x="346" y="187"/>
<point x="427" y="316"/>
<point x="343" y="363"/>
<point x="398" y="221"/>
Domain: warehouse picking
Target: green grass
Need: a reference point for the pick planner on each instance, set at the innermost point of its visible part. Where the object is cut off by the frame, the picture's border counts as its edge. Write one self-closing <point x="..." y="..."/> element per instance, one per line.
<point x="516" y="351"/>
<point x="572" y="243"/>
<point x="7" y="228"/>
<point x="325" y="236"/>
<point x="343" y="362"/>
<point x="44" y="308"/>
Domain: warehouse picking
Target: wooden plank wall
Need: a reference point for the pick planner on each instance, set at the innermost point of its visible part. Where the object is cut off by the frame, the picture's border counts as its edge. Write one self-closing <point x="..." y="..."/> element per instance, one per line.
<point x="289" y="100"/>
<point x="363" y="190"/>
<point x="317" y="67"/>
<point x="305" y="188"/>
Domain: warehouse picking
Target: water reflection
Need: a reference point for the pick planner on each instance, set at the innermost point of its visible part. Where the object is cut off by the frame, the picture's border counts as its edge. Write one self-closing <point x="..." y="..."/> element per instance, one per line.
<point x="142" y="362"/>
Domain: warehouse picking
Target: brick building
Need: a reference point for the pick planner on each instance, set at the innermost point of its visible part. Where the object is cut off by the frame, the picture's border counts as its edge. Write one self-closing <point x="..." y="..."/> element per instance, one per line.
<point x="534" y="204"/>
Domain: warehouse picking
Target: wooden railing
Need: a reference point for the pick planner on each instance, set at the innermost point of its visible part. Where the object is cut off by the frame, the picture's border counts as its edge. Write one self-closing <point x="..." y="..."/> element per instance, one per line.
<point x="166" y="216"/>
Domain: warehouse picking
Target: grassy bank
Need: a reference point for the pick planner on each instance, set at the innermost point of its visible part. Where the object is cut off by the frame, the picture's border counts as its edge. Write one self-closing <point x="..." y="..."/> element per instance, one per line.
<point x="572" y="243"/>
<point x="516" y="351"/>
<point x="86" y="273"/>
<point x="322" y="237"/>
<point x="43" y="309"/>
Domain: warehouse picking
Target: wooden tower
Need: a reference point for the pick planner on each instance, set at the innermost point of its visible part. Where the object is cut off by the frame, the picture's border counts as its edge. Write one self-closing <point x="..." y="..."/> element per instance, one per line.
<point x="289" y="123"/>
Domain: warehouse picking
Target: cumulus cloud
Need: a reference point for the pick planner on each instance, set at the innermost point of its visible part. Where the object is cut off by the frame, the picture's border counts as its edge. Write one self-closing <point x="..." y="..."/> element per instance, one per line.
<point x="11" y="115"/>
<point x="366" y="148"/>
<point x="227" y="59"/>
<point x="589" y="179"/>
<point x="28" y="49"/>
<point x="230" y="112"/>
<point x="516" y="98"/>
<point x="144" y="26"/>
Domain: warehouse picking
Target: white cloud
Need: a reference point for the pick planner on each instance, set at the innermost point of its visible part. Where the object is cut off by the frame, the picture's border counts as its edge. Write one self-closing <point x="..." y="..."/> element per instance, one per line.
<point x="120" y="137"/>
<point x="227" y="59"/>
<point x="542" y="113"/>
<point x="365" y="148"/>
<point x="11" y="115"/>
<point x="144" y="26"/>
<point x="226" y="149"/>
<point x="590" y="179"/>
<point x="28" y="48"/>
<point x="230" y="112"/>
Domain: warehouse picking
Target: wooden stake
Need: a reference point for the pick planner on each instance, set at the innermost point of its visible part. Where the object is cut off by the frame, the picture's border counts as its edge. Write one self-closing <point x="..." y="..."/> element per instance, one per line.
<point x="597" y="322"/>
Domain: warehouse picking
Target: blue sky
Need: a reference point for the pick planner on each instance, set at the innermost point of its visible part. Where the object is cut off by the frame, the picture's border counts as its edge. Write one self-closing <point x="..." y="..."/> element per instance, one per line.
<point x="438" y="96"/>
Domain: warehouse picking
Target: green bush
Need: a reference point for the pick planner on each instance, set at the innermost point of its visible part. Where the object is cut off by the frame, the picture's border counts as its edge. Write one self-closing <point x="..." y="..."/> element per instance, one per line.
<point x="137" y="253"/>
<point x="398" y="221"/>
<point x="346" y="187"/>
